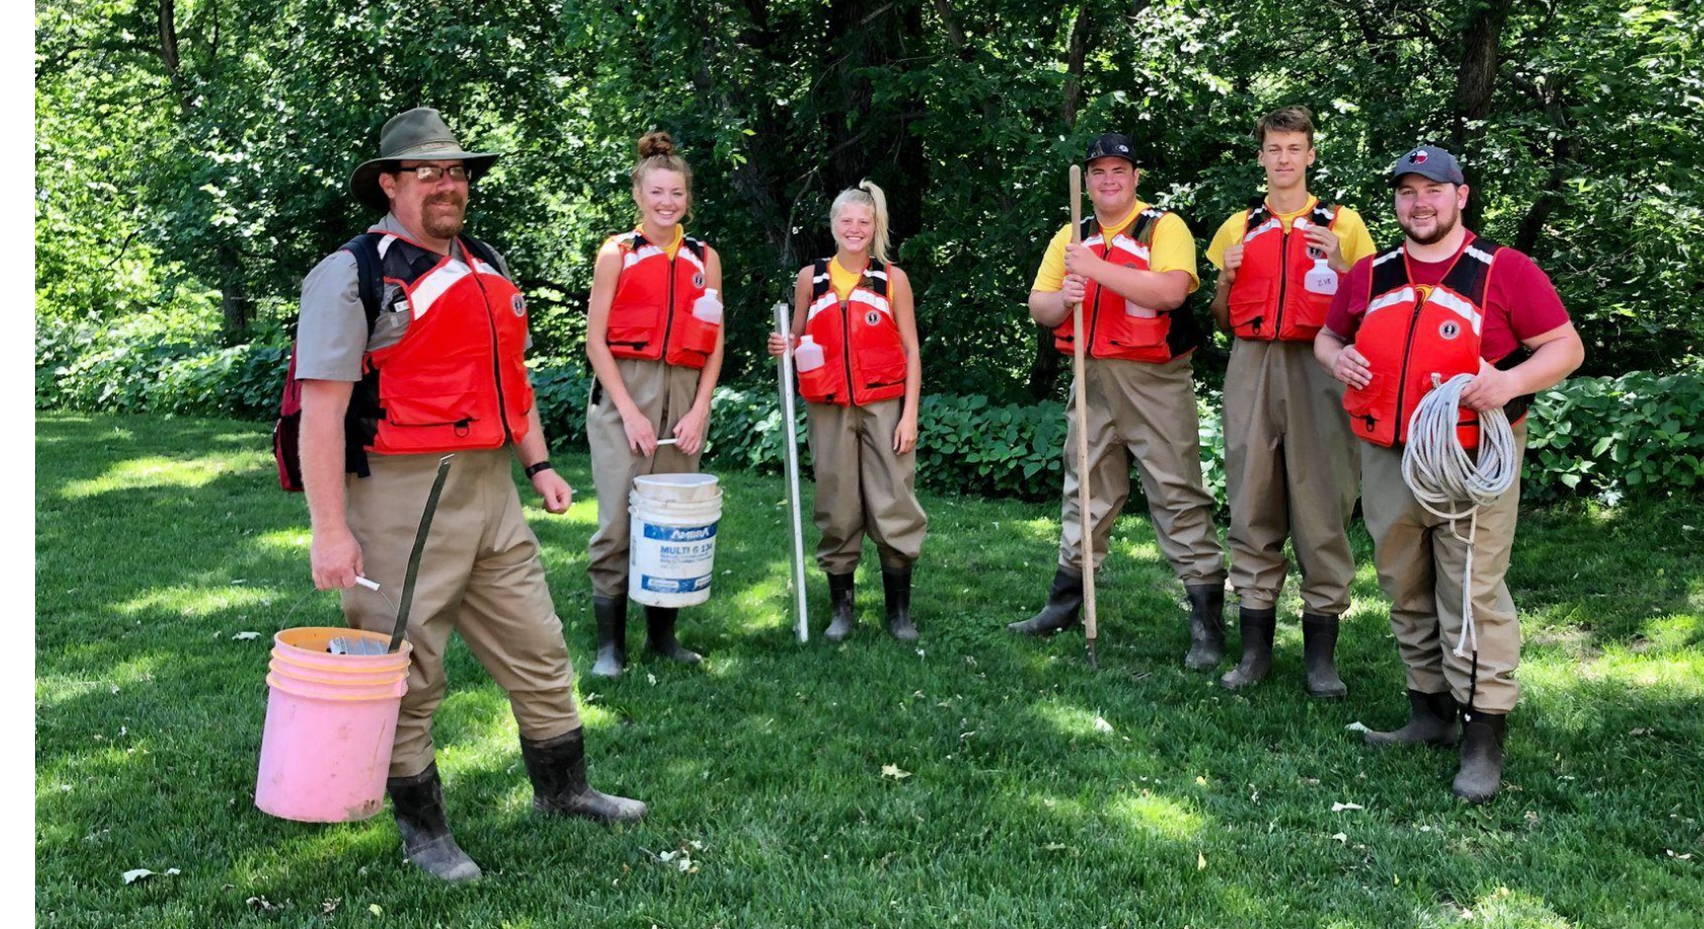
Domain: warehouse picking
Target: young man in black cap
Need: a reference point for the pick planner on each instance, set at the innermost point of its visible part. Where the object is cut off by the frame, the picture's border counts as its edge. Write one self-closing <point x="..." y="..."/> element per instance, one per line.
<point x="446" y="337"/>
<point x="1445" y="302"/>
<point x="1132" y="273"/>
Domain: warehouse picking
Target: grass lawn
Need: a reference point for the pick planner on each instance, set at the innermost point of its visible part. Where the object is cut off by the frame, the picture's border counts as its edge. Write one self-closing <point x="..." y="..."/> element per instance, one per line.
<point x="158" y="541"/>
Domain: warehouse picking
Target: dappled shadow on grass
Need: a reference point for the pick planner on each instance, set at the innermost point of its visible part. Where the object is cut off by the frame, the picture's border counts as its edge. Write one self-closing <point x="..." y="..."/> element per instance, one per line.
<point x="1006" y="804"/>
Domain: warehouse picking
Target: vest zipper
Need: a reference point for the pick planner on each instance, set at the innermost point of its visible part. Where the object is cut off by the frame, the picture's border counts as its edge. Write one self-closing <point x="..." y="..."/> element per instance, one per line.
<point x="496" y="350"/>
<point x="1407" y="354"/>
<point x="1283" y="281"/>
<point x="1094" y="311"/>
<point x="668" y="327"/>
<point x="846" y="346"/>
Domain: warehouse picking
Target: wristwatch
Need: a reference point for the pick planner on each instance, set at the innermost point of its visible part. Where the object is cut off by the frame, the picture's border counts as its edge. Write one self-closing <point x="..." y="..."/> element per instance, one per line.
<point x="534" y="469"/>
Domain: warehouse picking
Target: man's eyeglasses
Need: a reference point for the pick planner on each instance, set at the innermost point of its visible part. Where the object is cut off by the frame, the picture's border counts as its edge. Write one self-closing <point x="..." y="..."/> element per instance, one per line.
<point x="429" y="174"/>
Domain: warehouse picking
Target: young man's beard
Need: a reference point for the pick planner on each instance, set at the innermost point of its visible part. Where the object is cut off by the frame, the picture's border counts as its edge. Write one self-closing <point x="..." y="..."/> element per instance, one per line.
<point x="443" y="224"/>
<point x="1445" y="225"/>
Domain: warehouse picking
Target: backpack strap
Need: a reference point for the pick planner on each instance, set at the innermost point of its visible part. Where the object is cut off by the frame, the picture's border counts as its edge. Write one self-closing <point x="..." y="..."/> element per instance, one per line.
<point x="369" y="273"/>
<point x="369" y="283"/>
<point x="482" y="252"/>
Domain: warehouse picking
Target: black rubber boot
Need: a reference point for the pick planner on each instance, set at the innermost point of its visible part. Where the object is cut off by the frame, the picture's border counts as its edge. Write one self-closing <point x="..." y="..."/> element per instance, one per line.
<point x="1319" y="655"/>
<point x="896" y="588"/>
<point x="660" y="635"/>
<point x="1064" y="604"/>
<point x="1481" y="774"/>
<point x="1257" y="629"/>
<point x="1431" y="721"/>
<point x="557" y="768"/>
<point x="611" y="615"/>
<point x="1206" y="626"/>
<point x="842" y="611"/>
<point x="418" y="804"/>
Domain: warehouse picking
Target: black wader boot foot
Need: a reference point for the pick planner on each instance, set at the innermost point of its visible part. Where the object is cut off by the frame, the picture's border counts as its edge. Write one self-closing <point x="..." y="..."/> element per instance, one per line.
<point x="557" y="768"/>
<point x="1431" y="721"/>
<point x="1319" y="655"/>
<point x="1481" y="774"/>
<point x="842" y="615"/>
<point x="896" y="589"/>
<point x="1063" y="608"/>
<point x="611" y="616"/>
<point x="1257" y="627"/>
<point x="418" y="804"/>
<point x="1206" y="626"/>
<point x="660" y="636"/>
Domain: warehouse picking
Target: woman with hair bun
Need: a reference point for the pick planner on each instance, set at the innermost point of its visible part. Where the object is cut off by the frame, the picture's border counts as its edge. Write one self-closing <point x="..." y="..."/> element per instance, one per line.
<point x="654" y="340"/>
<point x="854" y="339"/>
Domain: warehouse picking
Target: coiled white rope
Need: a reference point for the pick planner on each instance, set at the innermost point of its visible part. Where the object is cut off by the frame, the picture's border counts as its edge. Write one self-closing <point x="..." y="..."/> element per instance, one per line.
<point x="1450" y="484"/>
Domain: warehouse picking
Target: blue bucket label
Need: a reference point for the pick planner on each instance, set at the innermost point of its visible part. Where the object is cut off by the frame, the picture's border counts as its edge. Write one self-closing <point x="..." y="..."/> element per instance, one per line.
<point x="680" y="533"/>
<point x="673" y="585"/>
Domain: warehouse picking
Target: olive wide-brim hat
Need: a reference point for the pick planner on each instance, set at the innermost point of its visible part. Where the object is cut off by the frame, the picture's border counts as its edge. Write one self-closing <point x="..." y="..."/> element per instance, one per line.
<point x="416" y="135"/>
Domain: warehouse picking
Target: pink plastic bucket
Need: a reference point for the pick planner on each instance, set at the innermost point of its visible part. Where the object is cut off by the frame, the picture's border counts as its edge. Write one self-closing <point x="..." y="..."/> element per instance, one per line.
<point x="330" y="721"/>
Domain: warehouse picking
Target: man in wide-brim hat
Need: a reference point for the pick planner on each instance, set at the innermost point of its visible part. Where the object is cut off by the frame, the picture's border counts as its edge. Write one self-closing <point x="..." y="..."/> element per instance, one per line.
<point x="411" y="347"/>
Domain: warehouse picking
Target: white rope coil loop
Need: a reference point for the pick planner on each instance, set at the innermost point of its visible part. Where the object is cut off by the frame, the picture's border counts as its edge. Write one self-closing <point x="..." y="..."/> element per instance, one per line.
<point x="1450" y="483"/>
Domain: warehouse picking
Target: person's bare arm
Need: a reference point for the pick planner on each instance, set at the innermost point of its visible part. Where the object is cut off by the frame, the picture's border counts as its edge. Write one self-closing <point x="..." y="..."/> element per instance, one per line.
<point x="694" y="427"/>
<point x="905" y="316"/>
<point x="641" y="435"/>
<point x="1555" y="355"/>
<point x="334" y="555"/>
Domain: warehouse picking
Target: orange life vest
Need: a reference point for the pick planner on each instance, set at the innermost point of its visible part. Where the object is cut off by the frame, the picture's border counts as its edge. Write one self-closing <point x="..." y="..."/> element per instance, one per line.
<point x="1269" y="298"/>
<point x="863" y="356"/>
<point x="1119" y="328"/>
<point x="651" y="315"/>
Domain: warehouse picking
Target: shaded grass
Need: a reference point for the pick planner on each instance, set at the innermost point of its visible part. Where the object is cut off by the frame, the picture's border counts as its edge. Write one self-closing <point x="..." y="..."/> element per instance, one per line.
<point x="159" y="540"/>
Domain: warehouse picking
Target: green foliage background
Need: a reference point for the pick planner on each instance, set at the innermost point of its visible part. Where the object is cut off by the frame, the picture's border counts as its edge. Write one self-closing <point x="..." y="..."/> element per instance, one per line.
<point x="192" y="155"/>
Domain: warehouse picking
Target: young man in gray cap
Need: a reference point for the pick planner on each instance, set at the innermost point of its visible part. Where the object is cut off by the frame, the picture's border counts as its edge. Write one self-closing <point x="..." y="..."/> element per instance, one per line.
<point x="411" y="347"/>
<point x="1132" y="273"/>
<point x="1445" y="302"/>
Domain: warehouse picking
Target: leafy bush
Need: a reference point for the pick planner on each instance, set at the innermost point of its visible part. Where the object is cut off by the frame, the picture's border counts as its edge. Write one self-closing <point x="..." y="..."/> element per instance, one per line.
<point x="1638" y="434"/>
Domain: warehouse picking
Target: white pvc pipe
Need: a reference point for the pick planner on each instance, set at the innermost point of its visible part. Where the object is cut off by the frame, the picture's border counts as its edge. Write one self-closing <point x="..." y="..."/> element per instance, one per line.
<point x="786" y="370"/>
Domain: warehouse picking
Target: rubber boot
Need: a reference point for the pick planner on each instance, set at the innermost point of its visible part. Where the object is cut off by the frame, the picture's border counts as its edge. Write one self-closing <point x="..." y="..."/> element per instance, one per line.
<point x="418" y="804"/>
<point x="1206" y="626"/>
<point x="1319" y="655"/>
<point x="557" y="768"/>
<point x="611" y="615"/>
<point x="842" y="612"/>
<point x="1064" y="604"/>
<point x="660" y="635"/>
<point x="896" y="589"/>
<point x="1257" y="629"/>
<point x="1431" y="721"/>
<point x="1481" y="773"/>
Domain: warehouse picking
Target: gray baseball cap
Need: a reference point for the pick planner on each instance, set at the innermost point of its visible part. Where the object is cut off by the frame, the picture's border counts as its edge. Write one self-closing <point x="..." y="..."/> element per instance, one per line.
<point x="1428" y="161"/>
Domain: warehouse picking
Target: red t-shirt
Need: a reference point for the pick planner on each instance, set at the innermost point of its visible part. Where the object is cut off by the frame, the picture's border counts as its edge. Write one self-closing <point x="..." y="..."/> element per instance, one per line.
<point x="1520" y="301"/>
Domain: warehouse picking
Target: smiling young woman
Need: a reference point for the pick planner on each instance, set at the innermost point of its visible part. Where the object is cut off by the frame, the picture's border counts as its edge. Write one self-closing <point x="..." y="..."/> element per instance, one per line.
<point x="654" y="340"/>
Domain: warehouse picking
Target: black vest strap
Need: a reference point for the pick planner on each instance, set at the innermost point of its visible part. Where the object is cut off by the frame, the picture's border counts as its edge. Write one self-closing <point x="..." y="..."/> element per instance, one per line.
<point x="822" y="280"/>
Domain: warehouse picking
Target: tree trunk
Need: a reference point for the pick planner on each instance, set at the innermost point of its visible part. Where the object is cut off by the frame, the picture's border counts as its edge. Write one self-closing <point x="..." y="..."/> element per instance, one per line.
<point x="1476" y="81"/>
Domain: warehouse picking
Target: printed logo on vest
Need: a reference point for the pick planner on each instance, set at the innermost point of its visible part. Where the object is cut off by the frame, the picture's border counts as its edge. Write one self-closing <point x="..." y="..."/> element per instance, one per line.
<point x="1450" y="329"/>
<point x="518" y="304"/>
<point x="698" y="280"/>
<point x="872" y="318"/>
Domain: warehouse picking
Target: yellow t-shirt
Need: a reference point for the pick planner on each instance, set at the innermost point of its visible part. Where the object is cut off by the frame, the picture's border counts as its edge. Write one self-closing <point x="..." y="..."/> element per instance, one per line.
<point x="841" y="279"/>
<point x="674" y="246"/>
<point x="1172" y="249"/>
<point x="614" y="241"/>
<point x="1356" y="241"/>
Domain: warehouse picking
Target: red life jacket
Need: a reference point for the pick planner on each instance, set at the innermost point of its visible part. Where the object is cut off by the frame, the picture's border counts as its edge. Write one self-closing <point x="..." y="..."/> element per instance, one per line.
<point x="1412" y="332"/>
<point x="1115" y="331"/>
<point x="860" y="340"/>
<point x="457" y="379"/>
<point x="651" y="315"/>
<point x="1268" y="299"/>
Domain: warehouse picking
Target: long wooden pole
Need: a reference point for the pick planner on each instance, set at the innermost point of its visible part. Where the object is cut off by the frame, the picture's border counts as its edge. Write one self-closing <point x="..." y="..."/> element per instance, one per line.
<point x="1079" y="338"/>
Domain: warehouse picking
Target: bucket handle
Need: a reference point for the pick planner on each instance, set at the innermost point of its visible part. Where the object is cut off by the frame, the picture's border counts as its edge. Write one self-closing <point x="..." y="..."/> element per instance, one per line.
<point x="419" y="548"/>
<point x="401" y="611"/>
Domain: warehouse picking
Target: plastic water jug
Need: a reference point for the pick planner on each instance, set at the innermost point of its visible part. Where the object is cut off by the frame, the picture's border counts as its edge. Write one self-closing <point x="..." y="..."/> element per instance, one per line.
<point x="808" y="356"/>
<point x="708" y="308"/>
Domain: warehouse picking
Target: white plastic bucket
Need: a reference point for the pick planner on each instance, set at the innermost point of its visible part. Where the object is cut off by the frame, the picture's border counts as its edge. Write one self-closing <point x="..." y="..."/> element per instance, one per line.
<point x="673" y="544"/>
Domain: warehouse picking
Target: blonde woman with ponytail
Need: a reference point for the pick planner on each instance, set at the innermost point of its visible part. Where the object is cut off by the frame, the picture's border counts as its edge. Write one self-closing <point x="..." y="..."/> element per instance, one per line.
<point x="854" y="342"/>
<point x="654" y="340"/>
